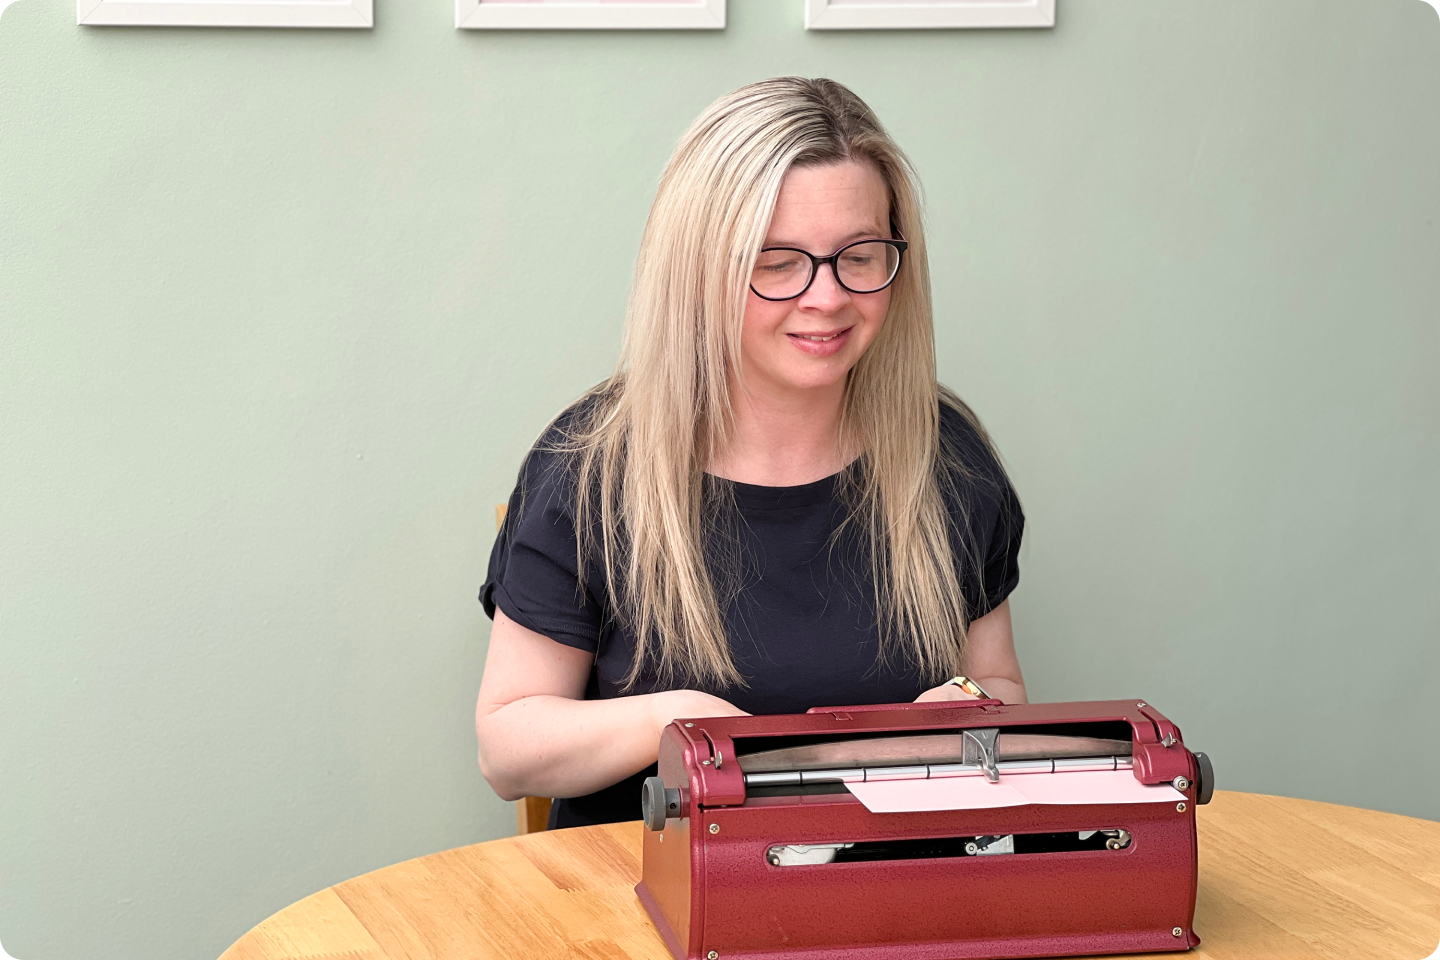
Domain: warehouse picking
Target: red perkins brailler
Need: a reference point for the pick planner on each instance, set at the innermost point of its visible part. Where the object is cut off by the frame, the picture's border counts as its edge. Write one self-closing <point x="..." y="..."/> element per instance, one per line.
<point x="757" y="848"/>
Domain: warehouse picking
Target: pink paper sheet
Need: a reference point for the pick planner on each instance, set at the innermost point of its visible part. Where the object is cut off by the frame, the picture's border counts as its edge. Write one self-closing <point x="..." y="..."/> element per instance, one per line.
<point x="948" y="793"/>
<point x="977" y="793"/>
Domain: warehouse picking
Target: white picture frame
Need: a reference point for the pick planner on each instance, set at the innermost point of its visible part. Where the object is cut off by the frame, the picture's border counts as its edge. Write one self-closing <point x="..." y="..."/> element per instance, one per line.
<point x="345" y="14"/>
<point x="927" y="14"/>
<point x="589" y="15"/>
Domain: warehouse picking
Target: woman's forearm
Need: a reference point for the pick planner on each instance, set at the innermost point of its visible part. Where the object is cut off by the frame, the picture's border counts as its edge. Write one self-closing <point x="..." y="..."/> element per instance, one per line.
<point x="538" y="737"/>
<point x="551" y="746"/>
<point x="557" y="747"/>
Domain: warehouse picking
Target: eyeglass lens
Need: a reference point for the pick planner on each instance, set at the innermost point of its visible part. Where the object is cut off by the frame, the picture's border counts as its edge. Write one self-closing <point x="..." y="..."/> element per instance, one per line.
<point x="861" y="268"/>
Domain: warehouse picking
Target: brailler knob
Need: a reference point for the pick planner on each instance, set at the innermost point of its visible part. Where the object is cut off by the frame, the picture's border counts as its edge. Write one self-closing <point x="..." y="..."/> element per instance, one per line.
<point x="1204" y="779"/>
<point x="658" y="802"/>
<point x="652" y="803"/>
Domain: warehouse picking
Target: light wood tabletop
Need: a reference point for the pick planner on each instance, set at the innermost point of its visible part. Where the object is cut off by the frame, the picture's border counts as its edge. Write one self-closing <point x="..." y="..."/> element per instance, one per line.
<point x="1279" y="878"/>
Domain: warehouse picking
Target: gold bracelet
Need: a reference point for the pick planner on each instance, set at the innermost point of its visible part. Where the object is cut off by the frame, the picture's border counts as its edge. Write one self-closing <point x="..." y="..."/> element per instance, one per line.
<point x="971" y="687"/>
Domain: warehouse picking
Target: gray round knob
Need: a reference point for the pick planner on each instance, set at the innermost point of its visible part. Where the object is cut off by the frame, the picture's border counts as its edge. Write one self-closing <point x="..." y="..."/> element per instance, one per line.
<point x="658" y="802"/>
<point x="652" y="803"/>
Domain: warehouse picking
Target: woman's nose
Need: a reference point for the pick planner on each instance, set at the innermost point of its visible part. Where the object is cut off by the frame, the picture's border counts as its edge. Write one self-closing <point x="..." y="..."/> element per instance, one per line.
<point x="825" y="292"/>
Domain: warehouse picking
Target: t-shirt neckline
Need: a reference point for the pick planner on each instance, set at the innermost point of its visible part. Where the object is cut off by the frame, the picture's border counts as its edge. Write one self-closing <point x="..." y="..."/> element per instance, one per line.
<point x="753" y="496"/>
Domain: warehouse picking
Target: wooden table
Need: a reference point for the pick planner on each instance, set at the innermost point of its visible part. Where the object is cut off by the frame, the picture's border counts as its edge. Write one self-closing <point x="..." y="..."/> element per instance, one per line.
<point x="1278" y="878"/>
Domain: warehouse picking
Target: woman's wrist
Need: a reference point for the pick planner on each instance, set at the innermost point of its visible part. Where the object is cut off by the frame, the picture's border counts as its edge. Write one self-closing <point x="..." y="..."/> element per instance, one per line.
<point x="1003" y="689"/>
<point x="666" y="707"/>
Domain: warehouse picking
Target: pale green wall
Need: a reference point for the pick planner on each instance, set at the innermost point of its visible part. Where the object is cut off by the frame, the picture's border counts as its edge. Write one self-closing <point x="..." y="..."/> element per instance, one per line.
<point x="280" y="312"/>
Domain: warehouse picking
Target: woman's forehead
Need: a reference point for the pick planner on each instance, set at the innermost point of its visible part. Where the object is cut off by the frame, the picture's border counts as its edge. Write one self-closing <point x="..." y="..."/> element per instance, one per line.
<point x="834" y="202"/>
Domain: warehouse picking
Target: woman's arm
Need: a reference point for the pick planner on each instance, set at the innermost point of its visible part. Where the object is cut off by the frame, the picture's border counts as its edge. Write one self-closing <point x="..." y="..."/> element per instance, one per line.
<point x="538" y="737"/>
<point x="989" y="660"/>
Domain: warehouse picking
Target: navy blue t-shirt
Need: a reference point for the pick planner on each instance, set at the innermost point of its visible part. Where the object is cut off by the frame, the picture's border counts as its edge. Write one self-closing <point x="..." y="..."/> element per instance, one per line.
<point x="802" y="626"/>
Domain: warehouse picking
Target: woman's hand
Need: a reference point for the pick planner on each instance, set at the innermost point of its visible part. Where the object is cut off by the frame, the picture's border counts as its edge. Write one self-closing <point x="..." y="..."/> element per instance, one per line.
<point x="946" y="691"/>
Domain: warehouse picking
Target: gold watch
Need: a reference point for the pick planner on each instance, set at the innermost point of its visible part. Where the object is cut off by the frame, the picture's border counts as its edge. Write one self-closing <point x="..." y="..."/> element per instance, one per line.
<point x="970" y="687"/>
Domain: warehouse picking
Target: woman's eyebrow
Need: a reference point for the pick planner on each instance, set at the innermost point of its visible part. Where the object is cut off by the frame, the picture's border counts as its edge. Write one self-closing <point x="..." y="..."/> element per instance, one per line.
<point x="873" y="231"/>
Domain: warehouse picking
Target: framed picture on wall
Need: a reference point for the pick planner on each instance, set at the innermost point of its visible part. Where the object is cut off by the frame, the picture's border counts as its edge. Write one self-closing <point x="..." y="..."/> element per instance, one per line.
<point x="923" y="14"/>
<point x="226" y="13"/>
<point x="590" y="14"/>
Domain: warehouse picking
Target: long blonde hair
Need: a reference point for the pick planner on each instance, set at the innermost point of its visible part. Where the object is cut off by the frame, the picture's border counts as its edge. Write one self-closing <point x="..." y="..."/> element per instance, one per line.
<point x="642" y="439"/>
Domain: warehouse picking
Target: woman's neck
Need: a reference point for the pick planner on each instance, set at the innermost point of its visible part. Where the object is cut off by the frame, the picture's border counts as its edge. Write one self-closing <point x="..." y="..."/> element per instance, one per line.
<point x="783" y="440"/>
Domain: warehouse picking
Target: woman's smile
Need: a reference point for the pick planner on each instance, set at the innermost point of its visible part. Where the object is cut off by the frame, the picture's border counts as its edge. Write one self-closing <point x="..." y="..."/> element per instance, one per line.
<point x="821" y="344"/>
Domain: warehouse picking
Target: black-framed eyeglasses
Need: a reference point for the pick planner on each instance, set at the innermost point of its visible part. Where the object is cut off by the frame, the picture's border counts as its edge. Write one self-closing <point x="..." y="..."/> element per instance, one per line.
<point x="865" y="266"/>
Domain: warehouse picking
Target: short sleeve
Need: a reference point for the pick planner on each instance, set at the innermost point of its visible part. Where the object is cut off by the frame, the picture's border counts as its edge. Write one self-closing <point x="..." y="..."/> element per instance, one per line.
<point x="987" y="521"/>
<point x="534" y="574"/>
<point x="1000" y="569"/>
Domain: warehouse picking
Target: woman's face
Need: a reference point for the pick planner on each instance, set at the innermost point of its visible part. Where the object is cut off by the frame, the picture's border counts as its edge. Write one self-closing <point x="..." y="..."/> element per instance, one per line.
<point x="811" y="342"/>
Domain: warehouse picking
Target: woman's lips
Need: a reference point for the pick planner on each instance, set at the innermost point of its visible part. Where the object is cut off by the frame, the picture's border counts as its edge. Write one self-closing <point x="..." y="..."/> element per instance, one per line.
<point x="821" y="344"/>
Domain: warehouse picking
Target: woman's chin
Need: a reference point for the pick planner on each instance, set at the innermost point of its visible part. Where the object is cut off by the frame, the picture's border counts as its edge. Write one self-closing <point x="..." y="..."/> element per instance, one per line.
<point x="816" y="382"/>
<point x="801" y="374"/>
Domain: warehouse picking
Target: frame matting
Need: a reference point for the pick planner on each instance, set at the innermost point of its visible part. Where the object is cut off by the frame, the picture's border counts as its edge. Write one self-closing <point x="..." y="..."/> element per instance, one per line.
<point x="226" y="13"/>
<point x="926" y="14"/>
<point x="590" y="14"/>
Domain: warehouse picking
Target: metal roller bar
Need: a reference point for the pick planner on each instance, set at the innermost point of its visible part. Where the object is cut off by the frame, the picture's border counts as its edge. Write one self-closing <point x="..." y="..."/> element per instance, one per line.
<point x="795" y="778"/>
<point x="984" y="745"/>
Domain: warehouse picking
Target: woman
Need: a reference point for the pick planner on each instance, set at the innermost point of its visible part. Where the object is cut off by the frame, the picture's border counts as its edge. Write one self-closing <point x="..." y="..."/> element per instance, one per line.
<point x="771" y="505"/>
